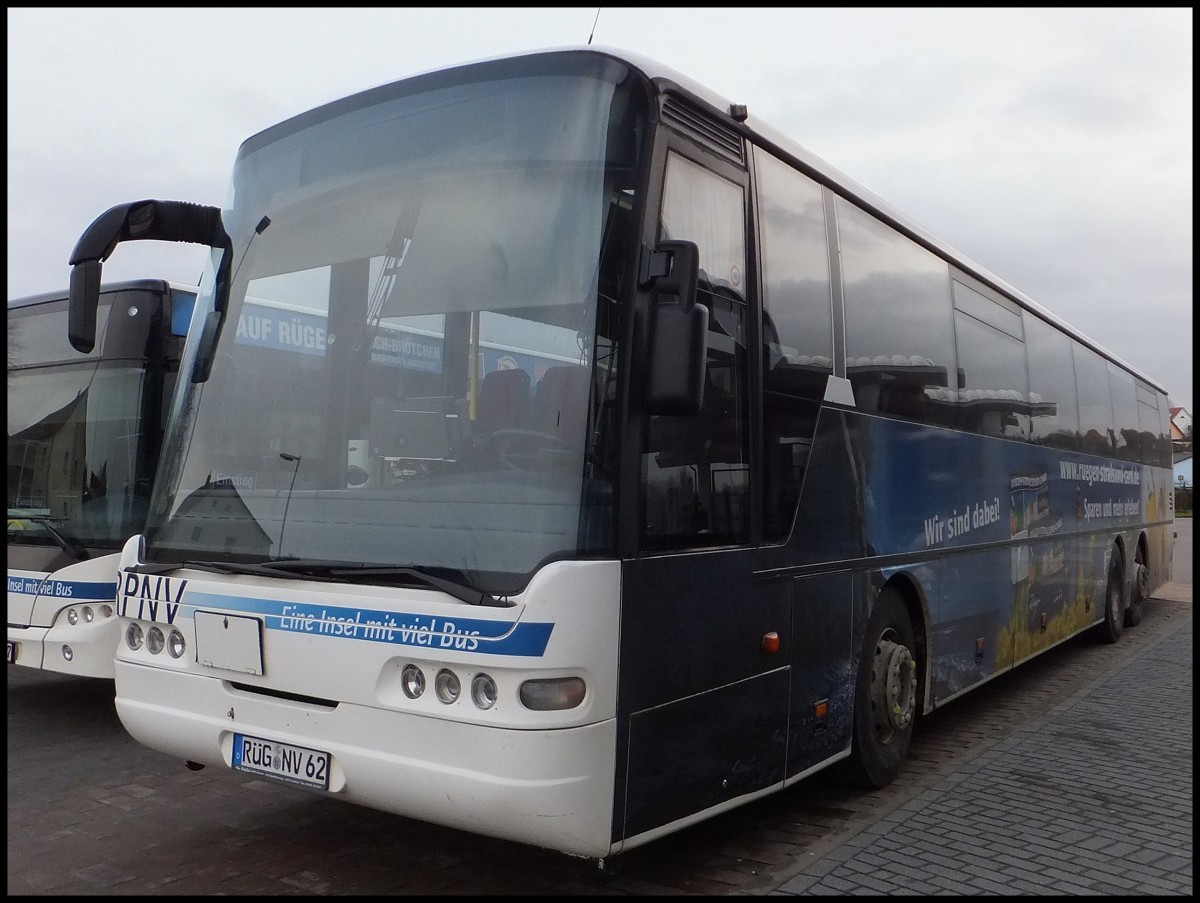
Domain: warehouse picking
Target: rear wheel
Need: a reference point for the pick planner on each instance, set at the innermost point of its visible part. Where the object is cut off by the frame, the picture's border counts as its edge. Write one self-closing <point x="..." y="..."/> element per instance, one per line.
<point x="1110" y="629"/>
<point x="1141" y="592"/>
<point x="885" y="696"/>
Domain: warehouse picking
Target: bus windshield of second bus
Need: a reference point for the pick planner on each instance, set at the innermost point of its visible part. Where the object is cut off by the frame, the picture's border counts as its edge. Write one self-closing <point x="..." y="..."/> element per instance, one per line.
<point x="84" y="433"/>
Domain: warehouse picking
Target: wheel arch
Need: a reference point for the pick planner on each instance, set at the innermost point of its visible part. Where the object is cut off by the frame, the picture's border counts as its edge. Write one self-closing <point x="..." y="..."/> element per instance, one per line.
<point x="1119" y="546"/>
<point x="1143" y="548"/>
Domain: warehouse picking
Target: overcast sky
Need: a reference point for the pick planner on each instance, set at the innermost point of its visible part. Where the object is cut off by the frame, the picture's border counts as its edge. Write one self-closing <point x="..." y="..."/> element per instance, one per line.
<point x="1052" y="146"/>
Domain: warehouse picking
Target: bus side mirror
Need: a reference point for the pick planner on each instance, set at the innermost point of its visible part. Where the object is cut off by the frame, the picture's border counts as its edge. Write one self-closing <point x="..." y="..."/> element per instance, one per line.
<point x="678" y="330"/>
<point x="207" y="346"/>
<point x="84" y="298"/>
<point x="159" y="220"/>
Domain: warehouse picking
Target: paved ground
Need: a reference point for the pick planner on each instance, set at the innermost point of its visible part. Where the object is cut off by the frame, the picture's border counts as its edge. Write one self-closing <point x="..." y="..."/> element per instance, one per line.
<point x="1095" y="797"/>
<point x="1071" y="775"/>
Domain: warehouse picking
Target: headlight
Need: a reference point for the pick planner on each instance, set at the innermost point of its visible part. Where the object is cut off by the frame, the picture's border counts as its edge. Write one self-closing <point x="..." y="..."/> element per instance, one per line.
<point x="412" y="681"/>
<point x="175" y="644"/>
<point x="155" y="641"/>
<point x="134" y="636"/>
<point x="483" y="691"/>
<point x="446" y="686"/>
<point x="88" y="614"/>
<point x="72" y="616"/>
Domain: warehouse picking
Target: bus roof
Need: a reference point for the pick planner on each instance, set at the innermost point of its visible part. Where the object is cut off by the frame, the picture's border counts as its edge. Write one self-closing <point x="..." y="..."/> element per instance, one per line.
<point x="127" y="285"/>
<point x="668" y="79"/>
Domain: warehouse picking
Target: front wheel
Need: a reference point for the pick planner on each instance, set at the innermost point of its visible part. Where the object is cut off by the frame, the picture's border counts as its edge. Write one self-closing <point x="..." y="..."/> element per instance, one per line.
<point x="885" y="696"/>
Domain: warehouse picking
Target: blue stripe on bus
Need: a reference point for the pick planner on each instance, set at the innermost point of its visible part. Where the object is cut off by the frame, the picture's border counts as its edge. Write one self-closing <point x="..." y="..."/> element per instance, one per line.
<point x="397" y="628"/>
<point x="66" y="589"/>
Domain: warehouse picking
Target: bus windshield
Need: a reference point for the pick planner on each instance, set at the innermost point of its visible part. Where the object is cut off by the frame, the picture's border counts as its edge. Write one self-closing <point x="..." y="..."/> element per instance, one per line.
<point x="418" y="355"/>
<point x="76" y="471"/>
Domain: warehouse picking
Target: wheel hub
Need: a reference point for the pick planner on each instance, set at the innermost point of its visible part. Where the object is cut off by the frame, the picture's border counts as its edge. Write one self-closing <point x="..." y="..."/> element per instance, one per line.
<point x="894" y="686"/>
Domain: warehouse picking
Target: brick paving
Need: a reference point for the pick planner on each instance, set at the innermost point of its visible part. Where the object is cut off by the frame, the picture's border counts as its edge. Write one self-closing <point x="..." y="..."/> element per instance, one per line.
<point x="1094" y="797"/>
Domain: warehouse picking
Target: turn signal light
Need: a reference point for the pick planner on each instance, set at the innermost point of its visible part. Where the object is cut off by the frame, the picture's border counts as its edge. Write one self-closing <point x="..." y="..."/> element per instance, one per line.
<point x="553" y="694"/>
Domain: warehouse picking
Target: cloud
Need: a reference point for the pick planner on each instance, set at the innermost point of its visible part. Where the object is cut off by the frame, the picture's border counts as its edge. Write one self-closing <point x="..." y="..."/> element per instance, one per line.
<point x="1054" y="146"/>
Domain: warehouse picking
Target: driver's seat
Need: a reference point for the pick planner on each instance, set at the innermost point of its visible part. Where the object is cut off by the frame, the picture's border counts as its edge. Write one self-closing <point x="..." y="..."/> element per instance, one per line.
<point x="560" y="405"/>
<point x="502" y="403"/>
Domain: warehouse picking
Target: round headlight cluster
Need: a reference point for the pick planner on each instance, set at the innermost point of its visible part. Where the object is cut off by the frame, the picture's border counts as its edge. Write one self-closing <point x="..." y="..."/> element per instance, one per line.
<point x="447" y="686"/>
<point x="155" y="639"/>
<point x="86" y="614"/>
<point x="544" y="695"/>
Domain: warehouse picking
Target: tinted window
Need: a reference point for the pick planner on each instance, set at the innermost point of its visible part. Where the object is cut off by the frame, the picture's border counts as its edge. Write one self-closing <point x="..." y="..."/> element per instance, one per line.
<point x="993" y="391"/>
<point x="899" y="331"/>
<point x="1164" y="434"/>
<point x="993" y="396"/>
<point x="1095" y="404"/>
<point x="1052" y="401"/>
<point x="1125" y="414"/>
<point x="695" y="470"/>
<point x="1148" y="438"/>
<point x="797" y="330"/>
<point x="38" y="334"/>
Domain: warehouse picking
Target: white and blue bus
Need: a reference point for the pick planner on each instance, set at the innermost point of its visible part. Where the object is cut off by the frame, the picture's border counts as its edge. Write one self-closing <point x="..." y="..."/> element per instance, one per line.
<point x="607" y="461"/>
<point x="84" y="431"/>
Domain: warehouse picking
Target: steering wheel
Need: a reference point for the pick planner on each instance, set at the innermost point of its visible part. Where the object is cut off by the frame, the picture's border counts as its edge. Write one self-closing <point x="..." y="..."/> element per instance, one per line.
<point x="519" y="449"/>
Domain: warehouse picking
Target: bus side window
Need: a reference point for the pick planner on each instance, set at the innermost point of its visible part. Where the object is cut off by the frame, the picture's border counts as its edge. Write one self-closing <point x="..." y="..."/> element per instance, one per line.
<point x="696" y="470"/>
<point x="797" y="331"/>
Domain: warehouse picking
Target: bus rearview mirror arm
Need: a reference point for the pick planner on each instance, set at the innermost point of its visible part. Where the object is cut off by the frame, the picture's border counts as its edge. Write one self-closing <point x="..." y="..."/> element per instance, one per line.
<point x="678" y="329"/>
<point x="176" y="221"/>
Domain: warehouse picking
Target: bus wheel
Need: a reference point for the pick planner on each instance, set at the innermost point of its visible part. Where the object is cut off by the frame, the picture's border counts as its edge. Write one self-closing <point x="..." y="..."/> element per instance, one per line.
<point x="1141" y="592"/>
<point x="1110" y="628"/>
<point x="885" y="696"/>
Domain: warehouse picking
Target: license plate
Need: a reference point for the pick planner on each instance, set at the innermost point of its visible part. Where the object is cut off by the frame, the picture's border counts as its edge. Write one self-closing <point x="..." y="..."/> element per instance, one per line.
<point x="12" y="653"/>
<point x="294" y="764"/>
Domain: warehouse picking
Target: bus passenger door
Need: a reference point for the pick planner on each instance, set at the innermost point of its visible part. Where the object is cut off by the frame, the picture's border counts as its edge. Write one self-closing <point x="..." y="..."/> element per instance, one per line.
<point x="703" y="686"/>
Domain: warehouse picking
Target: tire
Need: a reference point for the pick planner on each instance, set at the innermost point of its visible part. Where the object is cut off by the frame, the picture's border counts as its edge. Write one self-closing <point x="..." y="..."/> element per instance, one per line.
<point x="885" y="696"/>
<point x="1109" y="630"/>
<point x="1140" y="593"/>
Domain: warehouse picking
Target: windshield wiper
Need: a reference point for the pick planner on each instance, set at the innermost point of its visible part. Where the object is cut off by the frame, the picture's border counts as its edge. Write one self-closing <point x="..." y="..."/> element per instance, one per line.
<point x="460" y="591"/>
<point x="333" y="571"/>
<point x="68" y="544"/>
